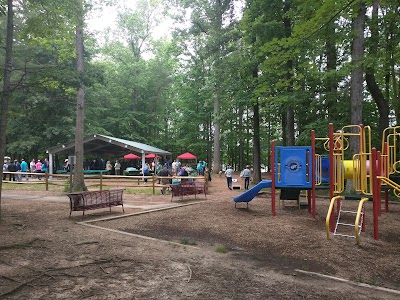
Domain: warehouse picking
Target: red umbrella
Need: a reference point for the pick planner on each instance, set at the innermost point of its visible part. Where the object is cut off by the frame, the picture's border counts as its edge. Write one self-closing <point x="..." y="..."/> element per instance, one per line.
<point x="152" y="155"/>
<point x="131" y="156"/>
<point x="187" y="155"/>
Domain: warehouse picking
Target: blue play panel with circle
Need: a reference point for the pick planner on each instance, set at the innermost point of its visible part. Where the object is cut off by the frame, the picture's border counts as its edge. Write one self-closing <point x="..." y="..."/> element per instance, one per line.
<point x="293" y="167"/>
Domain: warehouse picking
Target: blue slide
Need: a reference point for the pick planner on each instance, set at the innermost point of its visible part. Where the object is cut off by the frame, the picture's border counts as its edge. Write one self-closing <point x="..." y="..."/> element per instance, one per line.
<point x="251" y="193"/>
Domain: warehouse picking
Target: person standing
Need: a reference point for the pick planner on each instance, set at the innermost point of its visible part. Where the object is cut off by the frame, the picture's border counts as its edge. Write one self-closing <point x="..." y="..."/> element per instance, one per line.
<point x="45" y="166"/>
<point x="18" y="168"/>
<point x="5" y="169"/>
<point x="108" y="167"/>
<point x="32" y="166"/>
<point x="38" y="167"/>
<point x="146" y="172"/>
<point x="173" y="166"/>
<point x="24" y="168"/>
<point x="246" y="174"/>
<point x="164" y="172"/>
<point x="117" y="167"/>
<point x="200" y="168"/>
<point x="178" y="166"/>
<point x="12" y="168"/>
<point x="228" y="175"/>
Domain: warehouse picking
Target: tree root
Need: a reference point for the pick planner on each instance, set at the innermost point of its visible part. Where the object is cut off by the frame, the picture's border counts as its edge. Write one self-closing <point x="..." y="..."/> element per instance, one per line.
<point x="19" y="246"/>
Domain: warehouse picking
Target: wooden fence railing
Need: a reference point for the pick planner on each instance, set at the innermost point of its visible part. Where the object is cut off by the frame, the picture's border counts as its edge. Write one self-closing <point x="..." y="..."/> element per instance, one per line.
<point x="99" y="180"/>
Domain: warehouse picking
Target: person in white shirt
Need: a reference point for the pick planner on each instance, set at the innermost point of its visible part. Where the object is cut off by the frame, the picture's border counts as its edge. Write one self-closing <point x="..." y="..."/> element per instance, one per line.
<point x="246" y="174"/>
<point x="228" y="175"/>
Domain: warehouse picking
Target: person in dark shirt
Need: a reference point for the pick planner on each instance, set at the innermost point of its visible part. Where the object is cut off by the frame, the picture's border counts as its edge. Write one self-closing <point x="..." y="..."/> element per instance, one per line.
<point x="164" y="172"/>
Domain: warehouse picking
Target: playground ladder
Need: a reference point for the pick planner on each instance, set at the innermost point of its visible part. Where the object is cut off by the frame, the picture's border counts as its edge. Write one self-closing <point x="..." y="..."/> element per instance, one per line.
<point x="357" y="225"/>
<point x="338" y="223"/>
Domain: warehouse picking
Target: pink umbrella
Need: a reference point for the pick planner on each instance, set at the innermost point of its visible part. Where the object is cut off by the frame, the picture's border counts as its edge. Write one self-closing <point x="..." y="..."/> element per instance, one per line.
<point x="131" y="156"/>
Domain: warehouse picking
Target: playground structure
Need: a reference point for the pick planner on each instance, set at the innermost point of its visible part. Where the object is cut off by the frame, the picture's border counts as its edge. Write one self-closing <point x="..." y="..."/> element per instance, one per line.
<point x="370" y="172"/>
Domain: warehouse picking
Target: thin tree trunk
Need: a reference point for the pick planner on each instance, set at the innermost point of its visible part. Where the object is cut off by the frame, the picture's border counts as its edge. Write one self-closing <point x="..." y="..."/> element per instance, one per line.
<point x="217" y="134"/>
<point x="79" y="183"/>
<point x="240" y="130"/>
<point x="5" y="97"/>
<point x="256" y="144"/>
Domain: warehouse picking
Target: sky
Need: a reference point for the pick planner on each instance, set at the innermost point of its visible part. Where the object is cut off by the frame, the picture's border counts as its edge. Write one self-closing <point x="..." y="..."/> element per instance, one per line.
<point x="100" y="20"/>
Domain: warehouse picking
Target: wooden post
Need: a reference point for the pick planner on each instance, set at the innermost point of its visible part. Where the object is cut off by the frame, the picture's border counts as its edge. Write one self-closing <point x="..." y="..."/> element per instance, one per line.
<point x="154" y="184"/>
<point x="101" y="181"/>
<point x="46" y="178"/>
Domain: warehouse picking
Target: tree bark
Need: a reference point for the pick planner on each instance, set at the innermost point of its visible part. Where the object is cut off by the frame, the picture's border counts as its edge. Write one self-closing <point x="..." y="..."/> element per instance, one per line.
<point x="290" y="132"/>
<point x="6" y="94"/>
<point x="331" y="64"/>
<point x="373" y="87"/>
<point x="357" y="78"/>
<point x="217" y="134"/>
<point x="79" y="182"/>
<point x="256" y="144"/>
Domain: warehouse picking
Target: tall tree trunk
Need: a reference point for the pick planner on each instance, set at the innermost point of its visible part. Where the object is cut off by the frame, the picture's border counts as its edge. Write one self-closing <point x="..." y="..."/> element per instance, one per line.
<point x="290" y="132"/>
<point x="240" y="130"/>
<point x="357" y="78"/>
<point x="79" y="182"/>
<point x="6" y="94"/>
<point x="331" y="64"/>
<point x="217" y="133"/>
<point x="256" y="144"/>
<point x="373" y="87"/>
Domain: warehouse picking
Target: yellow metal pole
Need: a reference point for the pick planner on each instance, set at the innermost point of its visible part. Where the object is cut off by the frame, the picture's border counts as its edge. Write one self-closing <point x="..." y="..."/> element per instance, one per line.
<point x="360" y="206"/>
<point x="328" y="215"/>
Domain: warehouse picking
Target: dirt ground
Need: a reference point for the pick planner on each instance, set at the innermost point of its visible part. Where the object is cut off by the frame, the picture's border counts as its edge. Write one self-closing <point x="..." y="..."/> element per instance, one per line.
<point x="193" y="249"/>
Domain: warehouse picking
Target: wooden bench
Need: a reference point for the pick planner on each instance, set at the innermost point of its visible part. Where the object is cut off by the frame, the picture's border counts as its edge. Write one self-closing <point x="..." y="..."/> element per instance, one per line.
<point x="88" y="200"/>
<point x="187" y="189"/>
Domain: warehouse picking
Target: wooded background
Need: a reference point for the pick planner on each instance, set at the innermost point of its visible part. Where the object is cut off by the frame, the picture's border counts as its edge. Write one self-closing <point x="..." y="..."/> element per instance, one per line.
<point x="230" y="77"/>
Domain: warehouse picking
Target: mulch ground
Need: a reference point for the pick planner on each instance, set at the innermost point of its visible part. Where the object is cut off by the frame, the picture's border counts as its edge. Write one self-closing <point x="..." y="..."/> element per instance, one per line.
<point x="209" y="250"/>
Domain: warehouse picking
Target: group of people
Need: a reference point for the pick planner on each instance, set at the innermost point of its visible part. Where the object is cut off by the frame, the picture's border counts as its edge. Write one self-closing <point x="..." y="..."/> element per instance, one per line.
<point x="245" y="174"/>
<point x="20" y="167"/>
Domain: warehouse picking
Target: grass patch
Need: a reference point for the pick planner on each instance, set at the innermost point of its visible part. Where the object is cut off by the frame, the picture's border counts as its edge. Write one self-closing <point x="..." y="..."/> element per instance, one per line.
<point x="30" y="187"/>
<point x="221" y="249"/>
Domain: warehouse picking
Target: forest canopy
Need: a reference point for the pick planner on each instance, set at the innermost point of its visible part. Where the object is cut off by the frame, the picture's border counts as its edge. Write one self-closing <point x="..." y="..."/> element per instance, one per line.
<point x="226" y="79"/>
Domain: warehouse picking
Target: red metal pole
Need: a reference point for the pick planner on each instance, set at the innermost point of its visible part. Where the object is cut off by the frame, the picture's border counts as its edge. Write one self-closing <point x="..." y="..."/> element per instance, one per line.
<point x="375" y="196"/>
<point x="273" y="187"/>
<point x="313" y="177"/>
<point x="377" y="182"/>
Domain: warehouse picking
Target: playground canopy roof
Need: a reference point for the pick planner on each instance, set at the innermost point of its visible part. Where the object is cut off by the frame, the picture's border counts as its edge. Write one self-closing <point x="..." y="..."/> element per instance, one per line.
<point x="187" y="155"/>
<point x="106" y="145"/>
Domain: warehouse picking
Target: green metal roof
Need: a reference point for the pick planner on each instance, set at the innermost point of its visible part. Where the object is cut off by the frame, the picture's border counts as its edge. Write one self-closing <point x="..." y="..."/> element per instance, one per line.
<point x="106" y="146"/>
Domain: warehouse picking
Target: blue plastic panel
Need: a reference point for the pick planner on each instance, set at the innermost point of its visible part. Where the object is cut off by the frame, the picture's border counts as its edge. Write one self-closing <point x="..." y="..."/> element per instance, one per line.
<point x="325" y="169"/>
<point x="293" y="167"/>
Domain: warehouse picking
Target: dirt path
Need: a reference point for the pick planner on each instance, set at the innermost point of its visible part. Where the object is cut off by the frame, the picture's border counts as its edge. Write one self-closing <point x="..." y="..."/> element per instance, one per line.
<point x="206" y="251"/>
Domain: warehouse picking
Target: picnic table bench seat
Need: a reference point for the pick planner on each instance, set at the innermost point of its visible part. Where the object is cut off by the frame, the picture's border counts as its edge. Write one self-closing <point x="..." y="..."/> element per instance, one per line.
<point x="187" y="189"/>
<point x="89" y="200"/>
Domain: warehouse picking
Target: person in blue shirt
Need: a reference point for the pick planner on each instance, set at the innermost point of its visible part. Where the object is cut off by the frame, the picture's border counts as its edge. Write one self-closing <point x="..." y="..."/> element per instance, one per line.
<point x="146" y="171"/>
<point x="24" y="168"/>
<point x="200" y="169"/>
